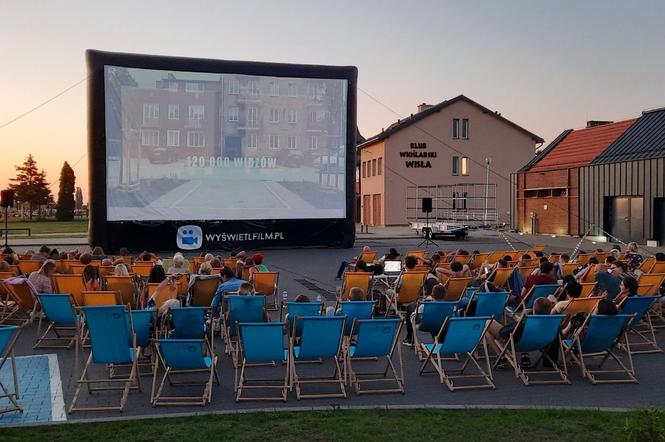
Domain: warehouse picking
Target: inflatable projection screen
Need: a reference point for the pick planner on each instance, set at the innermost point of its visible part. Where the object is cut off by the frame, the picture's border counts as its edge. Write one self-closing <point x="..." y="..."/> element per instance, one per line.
<point x="207" y="154"/>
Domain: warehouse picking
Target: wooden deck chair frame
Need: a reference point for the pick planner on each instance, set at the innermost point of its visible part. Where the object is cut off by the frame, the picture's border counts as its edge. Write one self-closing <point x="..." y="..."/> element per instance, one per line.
<point x="72" y="284"/>
<point x="22" y="303"/>
<point x="449" y="376"/>
<point x="645" y="331"/>
<point x="355" y="279"/>
<point x="66" y="340"/>
<point x="203" y="290"/>
<point x="267" y="288"/>
<point x="8" y="354"/>
<point x="583" y="258"/>
<point x="575" y="352"/>
<point x="455" y="288"/>
<point x="411" y="291"/>
<point x="337" y="377"/>
<point x="131" y="382"/>
<point x="527" y="376"/>
<point x="356" y="379"/>
<point x="157" y="398"/>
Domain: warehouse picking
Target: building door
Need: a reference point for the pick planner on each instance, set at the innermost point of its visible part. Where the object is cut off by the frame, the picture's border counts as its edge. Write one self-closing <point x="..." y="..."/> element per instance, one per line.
<point x="659" y="220"/>
<point x="367" y="210"/>
<point x="624" y="218"/>
<point x="376" y="209"/>
<point x="232" y="146"/>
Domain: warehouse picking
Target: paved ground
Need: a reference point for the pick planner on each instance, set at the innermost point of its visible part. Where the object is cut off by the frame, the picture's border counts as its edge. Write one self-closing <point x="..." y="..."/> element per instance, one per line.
<point x="318" y="266"/>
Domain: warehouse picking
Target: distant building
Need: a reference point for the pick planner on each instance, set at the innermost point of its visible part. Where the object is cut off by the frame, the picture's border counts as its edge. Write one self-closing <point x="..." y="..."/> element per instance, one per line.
<point x="458" y="152"/>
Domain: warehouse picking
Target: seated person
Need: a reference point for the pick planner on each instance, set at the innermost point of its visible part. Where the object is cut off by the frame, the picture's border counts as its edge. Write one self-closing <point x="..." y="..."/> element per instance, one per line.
<point x="246" y="289"/>
<point x="107" y="262"/>
<point x="633" y="256"/>
<point x="608" y="283"/>
<point x="410" y="263"/>
<point x="545" y="276"/>
<point x="91" y="278"/>
<point x="571" y="290"/>
<point x="41" y="279"/>
<point x="157" y="274"/>
<point x="457" y="270"/>
<point x="627" y="288"/>
<point x="98" y="253"/>
<point x="438" y="294"/>
<point x="344" y="264"/>
<point x="178" y="266"/>
<point x="524" y="261"/>
<point x="120" y="270"/>
<point x="229" y="284"/>
<point x="564" y="258"/>
<point x="258" y="262"/>
<point x="355" y="294"/>
<point x="593" y="261"/>
<point x="605" y="307"/>
<point x="392" y="255"/>
<point x="85" y="258"/>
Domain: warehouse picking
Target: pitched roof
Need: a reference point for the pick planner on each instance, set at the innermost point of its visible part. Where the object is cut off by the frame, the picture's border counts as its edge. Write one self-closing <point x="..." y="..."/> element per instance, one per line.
<point x="645" y="139"/>
<point x="580" y="147"/>
<point x="402" y="124"/>
<point x="545" y="151"/>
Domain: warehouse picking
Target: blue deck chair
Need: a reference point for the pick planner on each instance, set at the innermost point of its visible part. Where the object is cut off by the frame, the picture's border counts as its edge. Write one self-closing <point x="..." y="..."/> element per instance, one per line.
<point x="460" y="336"/>
<point x="354" y="310"/>
<point x="642" y="327"/>
<point x="490" y="304"/>
<point x="321" y="338"/>
<point x="536" y="333"/>
<point x="599" y="336"/>
<point x="375" y="338"/>
<point x="188" y="322"/>
<point x="8" y="337"/>
<point x="261" y="343"/>
<point x="537" y="291"/>
<point x="112" y="342"/>
<point x="241" y="308"/>
<point x="184" y="356"/>
<point x="432" y="318"/>
<point x="294" y="309"/>
<point x="141" y="321"/>
<point x="58" y="310"/>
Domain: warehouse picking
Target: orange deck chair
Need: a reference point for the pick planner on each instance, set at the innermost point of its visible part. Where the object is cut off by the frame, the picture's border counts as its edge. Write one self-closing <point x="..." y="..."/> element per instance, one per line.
<point x="266" y="284"/>
<point x="29" y="266"/>
<point x="368" y="257"/>
<point x="101" y="297"/>
<point x="410" y="291"/>
<point x="355" y="279"/>
<point x="455" y="288"/>
<point x="655" y="280"/>
<point x="125" y="286"/>
<point x="203" y="291"/>
<point x="72" y="284"/>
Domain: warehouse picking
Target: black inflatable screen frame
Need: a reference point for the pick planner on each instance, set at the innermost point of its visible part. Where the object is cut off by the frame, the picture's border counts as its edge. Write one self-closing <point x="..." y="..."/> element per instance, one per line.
<point x="231" y="234"/>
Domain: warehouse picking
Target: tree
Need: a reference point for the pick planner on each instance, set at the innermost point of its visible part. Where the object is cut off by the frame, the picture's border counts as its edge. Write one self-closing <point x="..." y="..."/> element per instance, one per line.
<point x="64" y="210"/>
<point x="79" y="199"/>
<point x="30" y="186"/>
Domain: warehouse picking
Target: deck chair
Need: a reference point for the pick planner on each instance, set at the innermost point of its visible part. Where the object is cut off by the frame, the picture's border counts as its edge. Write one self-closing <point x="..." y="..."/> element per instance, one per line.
<point x="479" y="258"/>
<point x="599" y="336"/>
<point x="125" y="286"/>
<point x="460" y="336"/>
<point x="295" y="309"/>
<point x="100" y="297"/>
<point x="432" y="318"/>
<point x="536" y="291"/>
<point x="167" y="293"/>
<point x="655" y="280"/>
<point x="77" y="268"/>
<point x="203" y="291"/>
<point x="569" y="268"/>
<point x="455" y="288"/>
<point x="72" y="284"/>
<point x="657" y="267"/>
<point x="368" y="257"/>
<point x="261" y="343"/>
<point x="5" y="275"/>
<point x="375" y="338"/>
<point x="266" y="284"/>
<point x="58" y="310"/>
<point x="321" y="338"/>
<point x="580" y="305"/>
<point x="22" y="306"/>
<point x="29" y="266"/>
<point x="112" y="343"/>
<point x="106" y="270"/>
<point x="494" y="256"/>
<point x="242" y="308"/>
<point x="500" y="276"/>
<point x="536" y="333"/>
<point x="187" y="357"/>
<point x="647" y="265"/>
<point x="353" y="310"/>
<point x="410" y="291"/>
<point x="143" y="268"/>
<point x="641" y="326"/>
<point x="589" y="276"/>
<point x="187" y="322"/>
<point x="226" y="262"/>
<point x="8" y="337"/>
<point x="417" y="253"/>
<point x="489" y="304"/>
<point x="525" y="272"/>
<point x="587" y="289"/>
<point x="354" y="279"/>
<point x="583" y="258"/>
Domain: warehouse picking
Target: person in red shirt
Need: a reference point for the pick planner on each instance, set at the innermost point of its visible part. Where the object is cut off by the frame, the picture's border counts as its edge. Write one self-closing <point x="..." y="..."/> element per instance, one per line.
<point x="545" y="276"/>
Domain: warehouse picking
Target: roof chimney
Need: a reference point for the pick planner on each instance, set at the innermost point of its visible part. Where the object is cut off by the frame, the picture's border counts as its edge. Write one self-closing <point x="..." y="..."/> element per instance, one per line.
<point x="424" y="107"/>
<point x="594" y="123"/>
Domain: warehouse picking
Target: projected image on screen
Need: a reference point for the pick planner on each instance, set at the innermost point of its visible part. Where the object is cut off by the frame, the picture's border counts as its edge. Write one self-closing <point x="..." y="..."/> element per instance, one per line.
<point x="208" y="146"/>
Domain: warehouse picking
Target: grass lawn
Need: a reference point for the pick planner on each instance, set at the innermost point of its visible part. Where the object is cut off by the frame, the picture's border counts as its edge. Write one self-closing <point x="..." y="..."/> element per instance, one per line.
<point x="42" y="227"/>
<point x="352" y="425"/>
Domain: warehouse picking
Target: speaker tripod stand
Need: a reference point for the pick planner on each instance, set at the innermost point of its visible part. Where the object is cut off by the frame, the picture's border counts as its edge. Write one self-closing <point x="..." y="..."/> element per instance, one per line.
<point x="427" y="231"/>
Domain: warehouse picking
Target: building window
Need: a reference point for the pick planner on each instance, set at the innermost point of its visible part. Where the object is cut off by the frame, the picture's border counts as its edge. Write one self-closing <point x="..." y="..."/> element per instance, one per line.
<point x="465" y="166"/>
<point x="173" y="138"/>
<point x="196" y="139"/>
<point x="455" y="166"/>
<point x="292" y="90"/>
<point x="252" y="116"/>
<point x="364" y="168"/>
<point x="150" y="112"/>
<point x="194" y="87"/>
<point x="465" y="128"/>
<point x="374" y="167"/>
<point x="173" y="86"/>
<point x="379" y="166"/>
<point x="313" y="142"/>
<point x="234" y="113"/>
<point x="251" y="141"/>
<point x="196" y="112"/>
<point x="273" y="142"/>
<point x="150" y="137"/>
<point x="292" y="142"/>
<point x="274" y="89"/>
<point x="234" y="86"/>
<point x="174" y="111"/>
<point x="253" y="88"/>
<point x="274" y="115"/>
<point x="293" y="116"/>
<point x="455" y="128"/>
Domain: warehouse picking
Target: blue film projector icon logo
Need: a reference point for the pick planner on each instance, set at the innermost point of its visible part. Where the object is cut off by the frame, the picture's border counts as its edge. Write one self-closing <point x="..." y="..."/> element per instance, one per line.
<point x="189" y="237"/>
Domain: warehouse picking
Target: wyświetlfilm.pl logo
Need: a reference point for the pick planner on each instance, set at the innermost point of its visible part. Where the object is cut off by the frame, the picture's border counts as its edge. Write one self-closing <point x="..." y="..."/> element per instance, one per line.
<point x="189" y="237"/>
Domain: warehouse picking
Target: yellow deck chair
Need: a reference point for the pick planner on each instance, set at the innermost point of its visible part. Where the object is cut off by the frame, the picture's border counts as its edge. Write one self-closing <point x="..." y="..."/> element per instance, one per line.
<point x="657" y="267"/>
<point x="100" y="297"/>
<point x="525" y="272"/>
<point x="411" y="290"/>
<point x="167" y="293"/>
<point x="22" y="302"/>
<point x="587" y="289"/>
<point x="583" y="258"/>
<point x="29" y="266"/>
<point x="538" y="247"/>
<point x="590" y="275"/>
<point x="494" y="256"/>
<point x="72" y="284"/>
<point x="417" y="253"/>
<point x="230" y="263"/>
<point x="106" y="270"/>
<point x="125" y="286"/>
<point x="569" y="268"/>
<point x="601" y="256"/>
<point x="463" y="259"/>
<point x="143" y="268"/>
<point x="203" y="291"/>
<point x="514" y="255"/>
<point x="644" y="289"/>
<point x="5" y="275"/>
<point x="554" y="258"/>
<point x="455" y="288"/>
<point x="368" y="257"/>
<point x="195" y="263"/>
<point x="580" y="305"/>
<point x="354" y="279"/>
<point x="479" y="258"/>
<point x="646" y="265"/>
<point x="421" y="268"/>
<point x="14" y="269"/>
<point x="266" y="284"/>
<point x="76" y="268"/>
<point x="499" y="276"/>
<point x="655" y="280"/>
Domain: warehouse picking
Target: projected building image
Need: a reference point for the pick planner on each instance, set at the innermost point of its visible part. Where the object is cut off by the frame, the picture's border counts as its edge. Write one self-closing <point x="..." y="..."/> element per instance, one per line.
<point x="175" y="138"/>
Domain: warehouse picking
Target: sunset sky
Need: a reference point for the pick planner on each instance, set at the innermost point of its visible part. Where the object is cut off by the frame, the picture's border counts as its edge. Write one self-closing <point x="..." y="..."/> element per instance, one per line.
<point x="546" y="65"/>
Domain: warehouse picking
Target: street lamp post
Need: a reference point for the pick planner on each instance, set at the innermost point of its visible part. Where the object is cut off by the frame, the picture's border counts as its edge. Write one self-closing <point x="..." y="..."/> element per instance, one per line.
<point x="488" y="161"/>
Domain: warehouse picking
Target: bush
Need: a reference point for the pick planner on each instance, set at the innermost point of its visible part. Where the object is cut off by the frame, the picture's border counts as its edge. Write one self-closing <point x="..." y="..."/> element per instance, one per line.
<point x="645" y="425"/>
